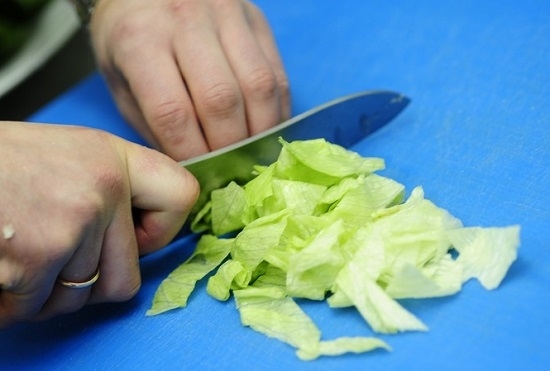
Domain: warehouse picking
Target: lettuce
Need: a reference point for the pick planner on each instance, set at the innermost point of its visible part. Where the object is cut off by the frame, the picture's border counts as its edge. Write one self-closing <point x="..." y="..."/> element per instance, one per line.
<point x="486" y="253"/>
<point x="319" y="224"/>
<point x="176" y="288"/>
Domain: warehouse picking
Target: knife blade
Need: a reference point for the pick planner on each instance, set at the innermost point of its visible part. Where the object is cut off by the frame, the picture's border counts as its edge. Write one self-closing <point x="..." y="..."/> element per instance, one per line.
<point x="343" y="121"/>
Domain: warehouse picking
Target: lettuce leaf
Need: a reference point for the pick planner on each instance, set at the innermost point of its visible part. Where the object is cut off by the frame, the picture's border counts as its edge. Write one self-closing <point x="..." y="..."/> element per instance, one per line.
<point x="258" y="238"/>
<point x="268" y="310"/>
<point x="486" y="253"/>
<point x="319" y="224"/>
<point x="343" y="345"/>
<point x="229" y="208"/>
<point x="361" y="197"/>
<point x="442" y="277"/>
<point x="230" y="275"/>
<point x="175" y="289"/>
<point x="357" y="282"/>
<point x="319" y="162"/>
<point x="312" y="270"/>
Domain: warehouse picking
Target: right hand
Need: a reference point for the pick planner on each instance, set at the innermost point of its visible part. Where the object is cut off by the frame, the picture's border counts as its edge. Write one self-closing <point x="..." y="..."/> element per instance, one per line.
<point x="191" y="75"/>
<point x="73" y="200"/>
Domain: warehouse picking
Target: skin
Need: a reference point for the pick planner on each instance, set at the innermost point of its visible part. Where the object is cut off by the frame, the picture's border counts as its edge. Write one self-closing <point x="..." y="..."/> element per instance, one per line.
<point x="74" y="199"/>
<point x="191" y="75"/>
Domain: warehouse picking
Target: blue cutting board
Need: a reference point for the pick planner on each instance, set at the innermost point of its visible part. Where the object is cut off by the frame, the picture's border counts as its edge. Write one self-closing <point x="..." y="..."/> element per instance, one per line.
<point x="476" y="137"/>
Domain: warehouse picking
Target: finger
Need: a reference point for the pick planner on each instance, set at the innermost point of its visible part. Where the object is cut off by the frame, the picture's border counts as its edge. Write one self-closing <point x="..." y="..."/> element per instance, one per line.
<point x="128" y="106"/>
<point x="81" y="267"/>
<point x="163" y="192"/>
<point x="266" y="40"/>
<point x="119" y="278"/>
<point x="254" y="72"/>
<point x="162" y="97"/>
<point x="214" y="89"/>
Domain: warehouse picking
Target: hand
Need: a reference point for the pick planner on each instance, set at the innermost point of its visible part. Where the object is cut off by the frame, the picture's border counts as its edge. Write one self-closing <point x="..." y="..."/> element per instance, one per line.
<point x="73" y="200"/>
<point x="191" y="75"/>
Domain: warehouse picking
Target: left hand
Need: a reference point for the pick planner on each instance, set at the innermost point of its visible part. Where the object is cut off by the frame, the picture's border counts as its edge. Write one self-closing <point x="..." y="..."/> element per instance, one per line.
<point x="76" y="201"/>
<point x="191" y="75"/>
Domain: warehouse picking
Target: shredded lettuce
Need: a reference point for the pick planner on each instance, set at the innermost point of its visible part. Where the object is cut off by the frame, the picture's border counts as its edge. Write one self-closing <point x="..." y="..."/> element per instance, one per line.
<point x="319" y="224"/>
<point x="319" y="162"/>
<point x="175" y="289"/>
<point x="486" y="253"/>
<point x="268" y="310"/>
<point x="343" y="345"/>
<point x="228" y="207"/>
<point x="231" y="275"/>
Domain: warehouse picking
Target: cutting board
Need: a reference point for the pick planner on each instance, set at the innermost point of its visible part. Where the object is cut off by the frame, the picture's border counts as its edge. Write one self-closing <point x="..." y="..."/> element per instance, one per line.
<point x="476" y="137"/>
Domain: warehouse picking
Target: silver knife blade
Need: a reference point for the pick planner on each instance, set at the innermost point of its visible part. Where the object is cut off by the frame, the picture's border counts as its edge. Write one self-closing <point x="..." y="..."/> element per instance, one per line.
<point x="343" y="121"/>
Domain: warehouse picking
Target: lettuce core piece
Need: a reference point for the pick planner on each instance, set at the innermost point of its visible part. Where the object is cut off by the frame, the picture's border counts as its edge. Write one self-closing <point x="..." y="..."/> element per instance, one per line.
<point x="318" y="224"/>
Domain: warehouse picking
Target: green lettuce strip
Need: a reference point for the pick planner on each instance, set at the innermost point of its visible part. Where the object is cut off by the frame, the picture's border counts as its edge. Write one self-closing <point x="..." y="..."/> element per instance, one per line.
<point x="175" y="290"/>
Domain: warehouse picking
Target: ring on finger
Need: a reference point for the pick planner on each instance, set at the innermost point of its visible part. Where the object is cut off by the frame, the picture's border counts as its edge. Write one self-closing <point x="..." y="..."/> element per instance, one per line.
<point x="79" y="285"/>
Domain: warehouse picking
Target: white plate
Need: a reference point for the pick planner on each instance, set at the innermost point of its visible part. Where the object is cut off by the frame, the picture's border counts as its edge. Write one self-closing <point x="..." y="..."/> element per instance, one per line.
<point x="55" y="25"/>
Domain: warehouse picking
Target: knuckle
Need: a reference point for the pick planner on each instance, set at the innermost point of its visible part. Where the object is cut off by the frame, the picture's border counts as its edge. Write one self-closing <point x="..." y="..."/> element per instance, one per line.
<point x="81" y="209"/>
<point x="188" y="14"/>
<point x="111" y="183"/>
<point x="82" y="212"/>
<point x="182" y="7"/>
<point x="131" y="35"/>
<point x="168" y="118"/>
<point x="261" y="84"/>
<point x="128" y="28"/>
<point x="226" y="4"/>
<point x="220" y="100"/>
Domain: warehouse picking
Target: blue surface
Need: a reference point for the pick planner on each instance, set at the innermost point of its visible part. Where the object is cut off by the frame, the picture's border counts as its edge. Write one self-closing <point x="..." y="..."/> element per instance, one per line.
<point x="476" y="137"/>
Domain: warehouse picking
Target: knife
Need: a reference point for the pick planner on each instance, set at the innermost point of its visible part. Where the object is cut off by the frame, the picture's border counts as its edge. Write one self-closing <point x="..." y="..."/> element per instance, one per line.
<point x="343" y="121"/>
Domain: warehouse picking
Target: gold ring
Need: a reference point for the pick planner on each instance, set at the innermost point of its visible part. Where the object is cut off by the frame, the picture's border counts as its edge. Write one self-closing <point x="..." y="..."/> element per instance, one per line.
<point x="79" y="285"/>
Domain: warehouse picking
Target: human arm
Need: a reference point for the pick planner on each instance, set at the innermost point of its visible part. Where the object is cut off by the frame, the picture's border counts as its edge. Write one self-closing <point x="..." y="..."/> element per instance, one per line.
<point x="191" y="75"/>
<point x="75" y="199"/>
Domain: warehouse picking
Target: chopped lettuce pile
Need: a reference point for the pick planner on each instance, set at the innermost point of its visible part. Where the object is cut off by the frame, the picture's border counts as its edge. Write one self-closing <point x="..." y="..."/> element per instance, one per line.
<point x="319" y="224"/>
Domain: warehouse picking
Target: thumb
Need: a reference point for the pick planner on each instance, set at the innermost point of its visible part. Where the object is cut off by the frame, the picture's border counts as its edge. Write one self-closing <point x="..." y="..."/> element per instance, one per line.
<point x="163" y="193"/>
